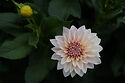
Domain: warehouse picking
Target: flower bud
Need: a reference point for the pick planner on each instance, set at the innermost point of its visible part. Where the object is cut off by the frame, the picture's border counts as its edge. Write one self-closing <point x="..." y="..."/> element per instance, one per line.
<point x="26" y="11"/>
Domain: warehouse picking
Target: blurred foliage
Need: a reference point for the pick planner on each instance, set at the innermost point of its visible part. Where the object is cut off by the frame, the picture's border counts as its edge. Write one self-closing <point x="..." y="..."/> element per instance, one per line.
<point x="25" y="49"/>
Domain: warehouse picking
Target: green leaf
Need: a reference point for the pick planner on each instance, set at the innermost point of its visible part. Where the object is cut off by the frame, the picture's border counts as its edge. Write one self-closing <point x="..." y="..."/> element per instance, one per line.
<point x="16" y="49"/>
<point x="63" y="8"/>
<point x="42" y="4"/>
<point x="31" y="26"/>
<point x="10" y="23"/>
<point x="33" y="40"/>
<point x="53" y="26"/>
<point x="122" y="20"/>
<point x="39" y="66"/>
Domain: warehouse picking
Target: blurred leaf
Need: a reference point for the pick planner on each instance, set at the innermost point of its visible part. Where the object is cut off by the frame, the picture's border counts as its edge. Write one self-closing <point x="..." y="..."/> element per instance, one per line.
<point x="42" y="4"/>
<point x="122" y="20"/>
<point x="9" y="23"/>
<point x="113" y="14"/>
<point x="63" y="8"/>
<point x="9" y="18"/>
<point x="33" y="40"/>
<point x="31" y="26"/>
<point x="39" y="66"/>
<point x="53" y="26"/>
<point x="16" y="49"/>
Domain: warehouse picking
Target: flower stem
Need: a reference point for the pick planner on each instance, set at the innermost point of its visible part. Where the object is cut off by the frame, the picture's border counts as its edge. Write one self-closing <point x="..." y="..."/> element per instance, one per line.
<point x="15" y="2"/>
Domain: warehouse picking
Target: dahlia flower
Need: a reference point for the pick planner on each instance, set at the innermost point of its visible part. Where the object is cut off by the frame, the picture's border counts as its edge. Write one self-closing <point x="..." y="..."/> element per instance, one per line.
<point x="76" y="50"/>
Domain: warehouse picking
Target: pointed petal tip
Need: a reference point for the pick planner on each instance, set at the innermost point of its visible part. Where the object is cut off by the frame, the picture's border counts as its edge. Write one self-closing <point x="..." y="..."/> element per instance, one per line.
<point x="83" y="26"/>
<point x="54" y="42"/>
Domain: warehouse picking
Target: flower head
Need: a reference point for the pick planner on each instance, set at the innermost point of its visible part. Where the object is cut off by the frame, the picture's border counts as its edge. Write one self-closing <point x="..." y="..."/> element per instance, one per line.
<point x="76" y="50"/>
<point x="26" y="11"/>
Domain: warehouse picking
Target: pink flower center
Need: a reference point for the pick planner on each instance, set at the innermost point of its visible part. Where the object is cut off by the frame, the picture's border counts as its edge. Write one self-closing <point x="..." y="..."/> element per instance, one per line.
<point x="75" y="49"/>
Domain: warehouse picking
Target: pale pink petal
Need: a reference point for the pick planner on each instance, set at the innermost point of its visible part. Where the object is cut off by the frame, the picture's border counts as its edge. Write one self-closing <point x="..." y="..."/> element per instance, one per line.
<point x="78" y="71"/>
<point x="100" y="48"/>
<point x="90" y="66"/>
<point x="96" y="48"/>
<point x="68" y="59"/>
<point x="59" y="38"/>
<point x="74" y="63"/>
<point x="94" y="60"/>
<point x="79" y="64"/>
<point x="56" y="57"/>
<point x="63" y="60"/>
<point x="82" y="27"/>
<point x="72" y="33"/>
<point x="71" y="67"/>
<point x="66" y="73"/>
<point x="73" y="73"/>
<point x="92" y="54"/>
<point x="66" y="33"/>
<point x="60" y="42"/>
<point x="59" y="66"/>
<point x="80" y="33"/>
<point x="66" y="67"/>
<point x="84" y="69"/>
<point x="55" y="49"/>
<point x="95" y="41"/>
<point x="54" y="42"/>
<point x="61" y="53"/>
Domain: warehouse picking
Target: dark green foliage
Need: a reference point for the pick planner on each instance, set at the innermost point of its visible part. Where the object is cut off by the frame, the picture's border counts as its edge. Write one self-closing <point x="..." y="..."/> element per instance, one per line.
<point x="25" y="48"/>
<point x="63" y="8"/>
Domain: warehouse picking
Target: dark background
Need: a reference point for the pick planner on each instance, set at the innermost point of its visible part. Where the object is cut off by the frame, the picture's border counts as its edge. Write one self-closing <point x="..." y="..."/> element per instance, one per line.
<point x="106" y="17"/>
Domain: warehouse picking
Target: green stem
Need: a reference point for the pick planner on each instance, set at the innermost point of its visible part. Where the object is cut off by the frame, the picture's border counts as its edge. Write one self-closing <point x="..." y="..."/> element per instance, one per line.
<point x="34" y="21"/>
<point x="15" y="2"/>
<point x="29" y="20"/>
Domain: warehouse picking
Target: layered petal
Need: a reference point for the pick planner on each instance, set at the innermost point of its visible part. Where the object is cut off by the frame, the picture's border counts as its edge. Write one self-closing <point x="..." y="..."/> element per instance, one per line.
<point x="76" y="50"/>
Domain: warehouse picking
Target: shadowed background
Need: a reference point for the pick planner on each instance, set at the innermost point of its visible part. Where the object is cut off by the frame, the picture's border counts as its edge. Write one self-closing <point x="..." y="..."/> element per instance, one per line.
<point x="105" y="17"/>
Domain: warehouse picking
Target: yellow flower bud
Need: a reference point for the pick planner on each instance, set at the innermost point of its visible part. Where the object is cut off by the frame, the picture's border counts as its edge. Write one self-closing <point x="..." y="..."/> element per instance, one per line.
<point x="26" y="11"/>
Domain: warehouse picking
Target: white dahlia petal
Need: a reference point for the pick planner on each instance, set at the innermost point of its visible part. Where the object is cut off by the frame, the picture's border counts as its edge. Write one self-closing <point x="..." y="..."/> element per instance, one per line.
<point x="56" y="57"/>
<point x="94" y="60"/>
<point x="79" y="64"/>
<point x="92" y="54"/>
<point x="74" y="63"/>
<point x="68" y="59"/>
<point x="54" y="42"/>
<point x="66" y="67"/>
<point x="61" y="53"/>
<point x="80" y="33"/>
<point x="60" y="41"/>
<point x="72" y="33"/>
<point x="55" y="49"/>
<point x="59" y="66"/>
<point x="63" y="60"/>
<point x="76" y="50"/>
<point x="84" y="69"/>
<point x="73" y="73"/>
<point x="66" y="33"/>
<point x="90" y="65"/>
<point x="78" y="71"/>
<point x="66" y="73"/>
